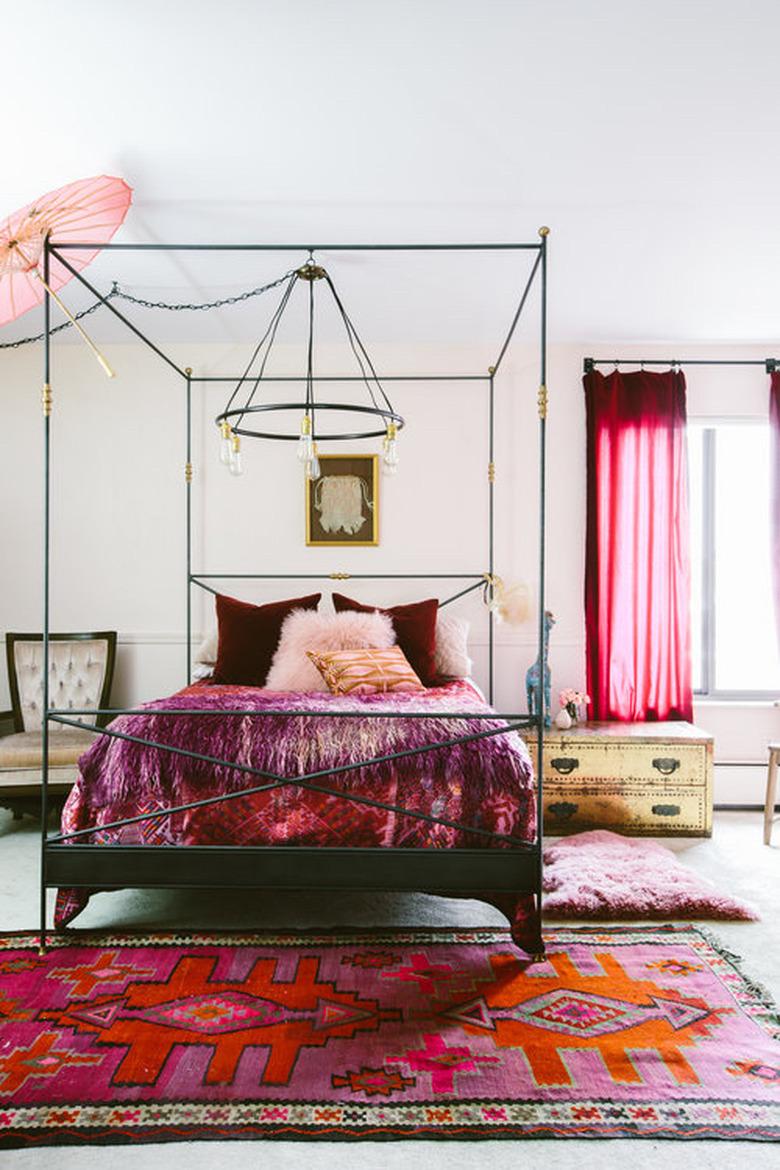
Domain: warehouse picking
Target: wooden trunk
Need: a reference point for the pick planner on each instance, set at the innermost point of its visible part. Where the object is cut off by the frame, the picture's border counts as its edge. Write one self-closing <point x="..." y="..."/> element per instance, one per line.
<point x="641" y="779"/>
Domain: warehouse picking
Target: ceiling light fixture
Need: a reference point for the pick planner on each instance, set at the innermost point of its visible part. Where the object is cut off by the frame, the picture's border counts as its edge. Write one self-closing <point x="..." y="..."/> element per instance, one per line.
<point x="377" y="415"/>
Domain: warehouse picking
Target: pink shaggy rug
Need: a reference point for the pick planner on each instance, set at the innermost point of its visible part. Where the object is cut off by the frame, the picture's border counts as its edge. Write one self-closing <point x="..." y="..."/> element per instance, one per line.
<point x="603" y="875"/>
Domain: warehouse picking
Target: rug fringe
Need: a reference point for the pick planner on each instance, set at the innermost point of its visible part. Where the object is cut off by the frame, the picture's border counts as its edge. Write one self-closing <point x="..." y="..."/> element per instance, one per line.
<point x="761" y="993"/>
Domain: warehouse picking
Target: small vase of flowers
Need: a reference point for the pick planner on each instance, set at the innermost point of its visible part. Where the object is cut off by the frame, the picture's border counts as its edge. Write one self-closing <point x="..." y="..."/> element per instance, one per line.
<point x="571" y="701"/>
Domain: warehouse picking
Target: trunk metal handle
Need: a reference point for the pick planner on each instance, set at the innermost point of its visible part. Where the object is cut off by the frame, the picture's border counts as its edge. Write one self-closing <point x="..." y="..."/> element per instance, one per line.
<point x="564" y="764"/>
<point x="562" y="809"/>
<point x="666" y="765"/>
<point x="666" y="810"/>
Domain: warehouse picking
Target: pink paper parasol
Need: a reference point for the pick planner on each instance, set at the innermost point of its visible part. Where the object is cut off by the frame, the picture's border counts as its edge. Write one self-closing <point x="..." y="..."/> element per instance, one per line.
<point x="89" y="210"/>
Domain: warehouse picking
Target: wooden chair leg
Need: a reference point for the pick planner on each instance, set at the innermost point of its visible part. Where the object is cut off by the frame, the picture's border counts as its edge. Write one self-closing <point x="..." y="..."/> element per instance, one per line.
<point x="771" y="794"/>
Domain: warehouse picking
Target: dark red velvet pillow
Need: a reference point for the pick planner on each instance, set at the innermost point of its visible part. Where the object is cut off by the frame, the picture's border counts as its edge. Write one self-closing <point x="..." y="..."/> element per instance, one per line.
<point x="415" y="631"/>
<point x="249" y="635"/>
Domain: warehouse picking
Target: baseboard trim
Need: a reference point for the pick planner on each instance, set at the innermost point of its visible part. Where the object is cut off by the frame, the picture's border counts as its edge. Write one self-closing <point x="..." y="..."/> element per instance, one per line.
<point x="742" y="808"/>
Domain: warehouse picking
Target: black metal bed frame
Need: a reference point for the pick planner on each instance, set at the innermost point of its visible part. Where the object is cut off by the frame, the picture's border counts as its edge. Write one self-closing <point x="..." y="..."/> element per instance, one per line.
<point x="503" y="872"/>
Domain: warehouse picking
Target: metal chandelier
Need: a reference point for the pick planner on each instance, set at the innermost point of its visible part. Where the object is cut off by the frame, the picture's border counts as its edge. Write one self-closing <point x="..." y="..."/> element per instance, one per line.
<point x="236" y="421"/>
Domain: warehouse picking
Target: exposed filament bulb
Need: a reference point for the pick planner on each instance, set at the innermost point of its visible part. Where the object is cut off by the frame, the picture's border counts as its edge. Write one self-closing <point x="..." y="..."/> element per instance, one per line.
<point x="313" y="469"/>
<point x="235" y="455"/>
<point x="390" y="450"/>
<point x="225" y="445"/>
<point x="305" y="442"/>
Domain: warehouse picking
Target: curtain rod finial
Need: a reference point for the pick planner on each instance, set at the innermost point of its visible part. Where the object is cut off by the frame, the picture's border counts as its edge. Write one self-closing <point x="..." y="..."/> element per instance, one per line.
<point x="587" y="365"/>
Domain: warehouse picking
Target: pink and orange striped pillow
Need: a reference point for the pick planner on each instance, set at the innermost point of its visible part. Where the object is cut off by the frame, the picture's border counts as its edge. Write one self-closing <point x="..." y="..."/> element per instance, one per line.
<point x="366" y="671"/>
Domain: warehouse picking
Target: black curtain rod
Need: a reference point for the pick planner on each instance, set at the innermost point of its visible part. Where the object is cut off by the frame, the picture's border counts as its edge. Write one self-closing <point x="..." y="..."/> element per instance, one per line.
<point x="769" y="364"/>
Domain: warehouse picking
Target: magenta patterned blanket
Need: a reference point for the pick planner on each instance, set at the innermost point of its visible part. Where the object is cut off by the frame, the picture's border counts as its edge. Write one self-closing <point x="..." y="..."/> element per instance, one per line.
<point x="485" y="783"/>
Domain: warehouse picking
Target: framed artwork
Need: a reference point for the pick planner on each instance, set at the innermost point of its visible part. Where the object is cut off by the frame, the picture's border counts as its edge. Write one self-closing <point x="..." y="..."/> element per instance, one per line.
<point x="342" y="506"/>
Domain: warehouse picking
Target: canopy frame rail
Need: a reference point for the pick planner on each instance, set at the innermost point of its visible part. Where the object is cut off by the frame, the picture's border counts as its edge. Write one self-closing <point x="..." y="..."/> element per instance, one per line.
<point x="479" y="581"/>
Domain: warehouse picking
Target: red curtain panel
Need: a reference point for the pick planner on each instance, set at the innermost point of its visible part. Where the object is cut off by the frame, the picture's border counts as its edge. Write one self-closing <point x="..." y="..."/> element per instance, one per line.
<point x="774" y="426"/>
<point x="637" y="575"/>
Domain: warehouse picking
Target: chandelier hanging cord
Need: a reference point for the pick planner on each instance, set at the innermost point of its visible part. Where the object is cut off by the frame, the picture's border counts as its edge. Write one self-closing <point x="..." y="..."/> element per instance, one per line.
<point x="355" y="342"/>
<point x="310" y="361"/>
<point x="232" y="418"/>
<point x="269" y="336"/>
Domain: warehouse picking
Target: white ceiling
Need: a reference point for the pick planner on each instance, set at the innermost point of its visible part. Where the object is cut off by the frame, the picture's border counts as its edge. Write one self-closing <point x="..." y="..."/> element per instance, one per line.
<point x="645" y="134"/>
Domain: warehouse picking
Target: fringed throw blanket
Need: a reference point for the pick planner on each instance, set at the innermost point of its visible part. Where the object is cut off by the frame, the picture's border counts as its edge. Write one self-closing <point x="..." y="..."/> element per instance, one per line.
<point x="485" y="783"/>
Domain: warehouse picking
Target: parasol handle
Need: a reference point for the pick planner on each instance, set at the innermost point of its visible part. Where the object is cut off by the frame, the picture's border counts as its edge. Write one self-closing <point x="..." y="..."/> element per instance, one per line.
<point x="99" y="356"/>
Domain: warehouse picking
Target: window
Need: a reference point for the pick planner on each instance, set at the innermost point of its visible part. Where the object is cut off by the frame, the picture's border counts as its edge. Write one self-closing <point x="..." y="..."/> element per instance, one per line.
<point x="735" y="652"/>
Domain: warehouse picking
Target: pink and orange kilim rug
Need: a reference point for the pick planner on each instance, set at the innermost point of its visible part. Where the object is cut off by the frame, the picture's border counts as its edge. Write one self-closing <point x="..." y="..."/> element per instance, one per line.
<point x="411" y="1033"/>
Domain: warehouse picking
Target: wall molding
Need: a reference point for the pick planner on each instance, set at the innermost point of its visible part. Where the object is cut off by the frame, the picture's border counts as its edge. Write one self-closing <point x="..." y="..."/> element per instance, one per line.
<point x="178" y="638"/>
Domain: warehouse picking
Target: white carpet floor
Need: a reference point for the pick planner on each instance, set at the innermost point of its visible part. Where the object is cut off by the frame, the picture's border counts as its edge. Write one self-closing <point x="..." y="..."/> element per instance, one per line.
<point x="734" y="859"/>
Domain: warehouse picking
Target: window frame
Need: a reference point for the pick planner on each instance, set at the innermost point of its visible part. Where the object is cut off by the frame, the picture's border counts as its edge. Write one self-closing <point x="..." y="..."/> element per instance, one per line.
<point x="707" y="690"/>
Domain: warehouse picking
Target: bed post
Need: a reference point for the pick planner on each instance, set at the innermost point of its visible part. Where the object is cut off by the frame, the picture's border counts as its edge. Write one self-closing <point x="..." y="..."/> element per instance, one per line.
<point x="491" y="531"/>
<point x="540" y="709"/>
<point x="46" y="400"/>
<point x="188" y="521"/>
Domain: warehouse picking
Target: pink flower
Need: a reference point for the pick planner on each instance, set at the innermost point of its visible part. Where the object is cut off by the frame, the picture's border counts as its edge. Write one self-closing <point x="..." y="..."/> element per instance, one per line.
<point x="569" y="695"/>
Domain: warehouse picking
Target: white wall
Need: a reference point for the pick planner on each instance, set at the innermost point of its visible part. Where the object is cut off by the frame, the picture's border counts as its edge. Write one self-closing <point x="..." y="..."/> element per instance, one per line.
<point x="118" y="505"/>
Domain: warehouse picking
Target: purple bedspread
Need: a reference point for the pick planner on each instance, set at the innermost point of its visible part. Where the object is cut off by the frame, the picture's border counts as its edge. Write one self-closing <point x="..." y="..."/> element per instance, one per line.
<point x="485" y="784"/>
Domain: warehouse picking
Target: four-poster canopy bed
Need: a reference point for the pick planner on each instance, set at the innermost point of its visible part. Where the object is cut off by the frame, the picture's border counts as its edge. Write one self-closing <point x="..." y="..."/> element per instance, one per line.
<point x="490" y="853"/>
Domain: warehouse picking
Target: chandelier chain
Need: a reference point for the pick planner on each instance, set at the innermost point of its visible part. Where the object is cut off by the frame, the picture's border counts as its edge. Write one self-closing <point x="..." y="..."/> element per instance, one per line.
<point x="200" y="306"/>
<point x="57" y="328"/>
<point x="117" y="292"/>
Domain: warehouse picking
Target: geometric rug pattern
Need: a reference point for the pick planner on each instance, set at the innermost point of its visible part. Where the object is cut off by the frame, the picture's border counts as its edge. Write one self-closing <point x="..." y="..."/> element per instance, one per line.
<point x="414" y="1033"/>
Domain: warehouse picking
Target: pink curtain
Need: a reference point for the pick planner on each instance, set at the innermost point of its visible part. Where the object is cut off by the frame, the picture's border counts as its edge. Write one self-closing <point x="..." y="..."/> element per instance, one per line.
<point x="637" y="576"/>
<point x="774" y="426"/>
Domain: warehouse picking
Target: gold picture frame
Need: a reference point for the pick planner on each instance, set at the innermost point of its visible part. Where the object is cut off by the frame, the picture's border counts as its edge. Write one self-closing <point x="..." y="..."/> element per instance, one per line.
<point x="332" y="508"/>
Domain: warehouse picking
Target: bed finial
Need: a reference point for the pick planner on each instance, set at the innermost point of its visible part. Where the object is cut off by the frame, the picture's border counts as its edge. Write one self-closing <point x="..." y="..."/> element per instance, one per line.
<point x="544" y="231"/>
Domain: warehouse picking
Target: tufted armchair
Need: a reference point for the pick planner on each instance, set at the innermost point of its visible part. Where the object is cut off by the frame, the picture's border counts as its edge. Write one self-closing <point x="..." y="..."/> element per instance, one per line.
<point x="81" y="668"/>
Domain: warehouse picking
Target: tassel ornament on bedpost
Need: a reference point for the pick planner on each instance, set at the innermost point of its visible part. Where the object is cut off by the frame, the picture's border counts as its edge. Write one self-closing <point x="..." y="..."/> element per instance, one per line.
<point x="390" y="450"/>
<point x="508" y="603"/>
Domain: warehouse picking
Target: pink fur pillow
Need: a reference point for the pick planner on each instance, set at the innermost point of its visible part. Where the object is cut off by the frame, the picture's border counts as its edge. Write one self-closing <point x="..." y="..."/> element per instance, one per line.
<point x="304" y="630"/>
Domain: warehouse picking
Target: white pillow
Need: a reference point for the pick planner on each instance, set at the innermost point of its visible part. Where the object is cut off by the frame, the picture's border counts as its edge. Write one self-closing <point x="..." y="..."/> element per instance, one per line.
<point x="452" y="650"/>
<point x="306" y="629"/>
<point x="201" y="671"/>
<point x="206" y="654"/>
